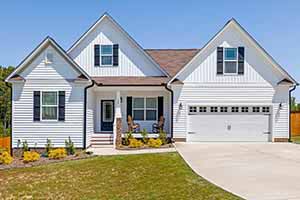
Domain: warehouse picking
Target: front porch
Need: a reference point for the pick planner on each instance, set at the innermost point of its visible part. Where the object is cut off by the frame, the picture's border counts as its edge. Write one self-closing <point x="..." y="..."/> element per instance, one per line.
<point x="107" y="104"/>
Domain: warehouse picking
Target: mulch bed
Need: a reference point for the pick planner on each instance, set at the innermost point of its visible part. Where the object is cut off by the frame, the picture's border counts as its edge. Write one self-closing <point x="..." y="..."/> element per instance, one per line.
<point x="18" y="162"/>
<point x="145" y="147"/>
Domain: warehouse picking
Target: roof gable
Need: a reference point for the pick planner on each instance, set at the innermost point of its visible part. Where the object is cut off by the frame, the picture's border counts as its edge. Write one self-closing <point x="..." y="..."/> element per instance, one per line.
<point x="246" y="35"/>
<point x="118" y="28"/>
<point x="48" y="41"/>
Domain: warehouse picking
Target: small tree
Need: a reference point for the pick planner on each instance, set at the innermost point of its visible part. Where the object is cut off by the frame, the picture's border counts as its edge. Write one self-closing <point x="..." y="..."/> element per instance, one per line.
<point x="70" y="146"/>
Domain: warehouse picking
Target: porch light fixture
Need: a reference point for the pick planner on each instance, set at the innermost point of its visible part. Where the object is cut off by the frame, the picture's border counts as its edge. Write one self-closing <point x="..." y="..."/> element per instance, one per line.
<point x="180" y="106"/>
<point x="280" y="106"/>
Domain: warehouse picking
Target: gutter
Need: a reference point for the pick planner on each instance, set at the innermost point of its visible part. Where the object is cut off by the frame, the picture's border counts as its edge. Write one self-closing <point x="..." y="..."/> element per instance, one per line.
<point x="84" y="113"/>
<point x="172" y="95"/>
<point x="290" y="102"/>
<point x="11" y="127"/>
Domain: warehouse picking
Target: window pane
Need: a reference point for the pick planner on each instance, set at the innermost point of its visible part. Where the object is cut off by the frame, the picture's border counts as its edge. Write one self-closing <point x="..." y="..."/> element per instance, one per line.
<point x="106" y="60"/>
<point x="151" y="115"/>
<point x="49" y="113"/>
<point x="138" y="114"/>
<point x="138" y="102"/>
<point x="230" y="53"/>
<point x="49" y="98"/>
<point x="151" y="102"/>
<point x="230" y="67"/>
<point x="106" y="49"/>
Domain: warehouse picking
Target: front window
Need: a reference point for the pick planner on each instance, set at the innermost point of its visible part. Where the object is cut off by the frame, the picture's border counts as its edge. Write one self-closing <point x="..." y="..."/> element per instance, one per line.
<point x="145" y="108"/>
<point x="230" y="61"/>
<point x="49" y="105"/>
<point x="106" y="55"/>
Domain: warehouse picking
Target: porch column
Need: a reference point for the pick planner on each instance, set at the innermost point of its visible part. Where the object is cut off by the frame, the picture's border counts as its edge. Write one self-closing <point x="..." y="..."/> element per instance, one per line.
<point x="118" y="122"/>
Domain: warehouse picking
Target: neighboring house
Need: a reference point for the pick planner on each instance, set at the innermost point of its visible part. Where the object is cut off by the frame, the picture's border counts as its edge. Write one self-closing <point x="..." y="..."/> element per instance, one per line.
<point x="230" y="90"/>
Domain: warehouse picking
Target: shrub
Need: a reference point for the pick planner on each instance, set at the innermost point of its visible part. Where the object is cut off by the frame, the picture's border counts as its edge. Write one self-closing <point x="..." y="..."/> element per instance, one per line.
<point x="5" y="158"/>
<point x="162" y="136"/>
<point x="128" y="136"/>
<point x="25" y="146"/>
<point x="57" y="153"/>
<point x="70" y="146"/>
<point x="48" y="146"/>
<point x="30" y="156"/>
<point x="134" y="143"/>
<point x="154" y="142"/>
<point x="144" y="134"/>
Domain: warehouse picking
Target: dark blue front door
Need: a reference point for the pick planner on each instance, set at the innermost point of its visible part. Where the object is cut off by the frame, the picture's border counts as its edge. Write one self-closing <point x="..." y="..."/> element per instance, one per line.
<point x="107" y="116"/>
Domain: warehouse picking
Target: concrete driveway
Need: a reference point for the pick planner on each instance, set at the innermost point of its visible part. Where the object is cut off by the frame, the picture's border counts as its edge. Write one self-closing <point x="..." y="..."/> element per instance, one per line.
<point x="258" y="171"/>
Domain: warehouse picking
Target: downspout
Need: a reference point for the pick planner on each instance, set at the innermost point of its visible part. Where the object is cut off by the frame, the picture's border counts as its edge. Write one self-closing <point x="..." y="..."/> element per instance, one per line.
<point x="290" y="101"/>
<point x="172" y="95"/>
<point x="11" y="137"/>
<point x="84" y="113"/>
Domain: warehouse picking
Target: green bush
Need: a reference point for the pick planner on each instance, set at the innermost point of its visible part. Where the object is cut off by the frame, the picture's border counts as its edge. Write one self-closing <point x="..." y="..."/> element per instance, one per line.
<point x="163" y="137"/>
<point x="70" y="146"/>
<point x="48" y="146"/>
<point x="25" y="146"/>
<point x="128" y="136"/>
<point x="144" y="134"/>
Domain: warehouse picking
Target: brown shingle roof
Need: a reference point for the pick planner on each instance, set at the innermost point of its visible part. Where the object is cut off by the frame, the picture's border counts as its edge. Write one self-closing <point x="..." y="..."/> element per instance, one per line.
<point x="17" y="78"/>
<point x="172" y="60"/>
<point x="132" y="80"/>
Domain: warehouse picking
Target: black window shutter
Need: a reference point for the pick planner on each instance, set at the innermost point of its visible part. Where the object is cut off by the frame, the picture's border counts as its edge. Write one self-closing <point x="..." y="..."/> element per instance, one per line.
<point x="36" y="105"/>
<point x="220" y="60"/>
<point x="160" y="106"/>
<point x="129" y="106"/>
<point x="61" y="106"/>
<point x="97" y="55"/>
<point x="241" y="59"/>
<point x="115" y="55"/>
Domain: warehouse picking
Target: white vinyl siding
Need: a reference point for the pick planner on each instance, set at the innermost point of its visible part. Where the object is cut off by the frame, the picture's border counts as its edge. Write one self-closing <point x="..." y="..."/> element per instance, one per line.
<point x="231" y="95"/>
<point x="132" y="61"/>
<point x="56" y="76"/>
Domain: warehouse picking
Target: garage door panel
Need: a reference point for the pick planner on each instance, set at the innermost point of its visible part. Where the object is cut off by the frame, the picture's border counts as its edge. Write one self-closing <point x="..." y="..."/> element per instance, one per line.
<point x="228" y="127"/>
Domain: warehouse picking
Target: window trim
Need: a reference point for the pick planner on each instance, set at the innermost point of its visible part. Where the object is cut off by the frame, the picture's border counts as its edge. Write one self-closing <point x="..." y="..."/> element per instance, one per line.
<point x="145" y="108"/>
<point x="111" y="55"/>
<point x="225" y="60"/>
<point x="41" y="106"/>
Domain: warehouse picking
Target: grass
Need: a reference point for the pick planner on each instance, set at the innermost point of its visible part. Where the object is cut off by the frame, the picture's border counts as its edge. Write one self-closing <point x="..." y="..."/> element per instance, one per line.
<point x="148" y="176"/>
<point x="295" y="139"/>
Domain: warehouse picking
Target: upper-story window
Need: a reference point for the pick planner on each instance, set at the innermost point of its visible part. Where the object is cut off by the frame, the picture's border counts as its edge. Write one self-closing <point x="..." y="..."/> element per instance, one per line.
<point x="230" y="61"/>
<point x="106" y="55"/>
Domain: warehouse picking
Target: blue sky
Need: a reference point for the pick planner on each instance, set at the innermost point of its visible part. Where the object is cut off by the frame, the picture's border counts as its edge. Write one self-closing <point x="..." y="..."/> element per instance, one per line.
<point x="153" y="24"/>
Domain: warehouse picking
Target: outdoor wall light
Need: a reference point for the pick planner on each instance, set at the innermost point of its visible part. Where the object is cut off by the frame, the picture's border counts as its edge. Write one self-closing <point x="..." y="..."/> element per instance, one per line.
<point x="280" y="106"/>
<point x="180" y="106"/>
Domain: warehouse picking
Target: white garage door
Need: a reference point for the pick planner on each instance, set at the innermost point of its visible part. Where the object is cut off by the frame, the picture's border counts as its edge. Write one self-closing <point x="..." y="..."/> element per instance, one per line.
<point x="228" y="123"/>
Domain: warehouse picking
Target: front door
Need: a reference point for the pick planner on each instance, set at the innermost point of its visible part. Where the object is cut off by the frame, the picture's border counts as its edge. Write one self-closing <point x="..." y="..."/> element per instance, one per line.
<point x="107" y="117"/>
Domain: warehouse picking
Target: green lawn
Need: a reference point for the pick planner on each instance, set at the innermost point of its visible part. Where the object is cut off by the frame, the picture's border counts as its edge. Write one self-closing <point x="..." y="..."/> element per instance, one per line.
<point x="148" y="176"/>
<point x="295" y="139"/>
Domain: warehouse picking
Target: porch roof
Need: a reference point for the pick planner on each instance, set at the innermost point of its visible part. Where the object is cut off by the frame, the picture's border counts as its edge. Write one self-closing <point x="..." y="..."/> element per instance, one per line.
<point x="132" y="80"/>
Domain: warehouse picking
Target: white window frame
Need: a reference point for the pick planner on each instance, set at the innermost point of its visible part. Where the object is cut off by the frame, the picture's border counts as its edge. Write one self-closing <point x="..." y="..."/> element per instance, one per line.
<point x="225" y="60"/>
<point x="145" y="107"/>
<point x="41" y="106"/>
<point x="111" y="54"/>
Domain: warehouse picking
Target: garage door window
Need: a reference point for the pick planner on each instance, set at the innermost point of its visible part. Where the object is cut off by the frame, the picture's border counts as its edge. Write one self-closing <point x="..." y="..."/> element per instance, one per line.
<point x="193" y="109"/>
<point x="223" y="109"/>
<point x="202" y="109"/>
<point x="214" y="109"/>
<point x="265" y="109"/>
<point x="234" y="109"/>
<point x="255" y="109"/>
<point x="245" y="109"/>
